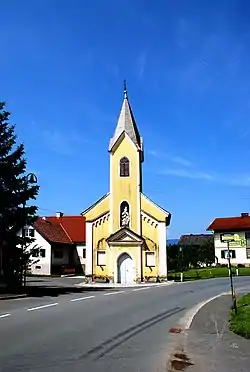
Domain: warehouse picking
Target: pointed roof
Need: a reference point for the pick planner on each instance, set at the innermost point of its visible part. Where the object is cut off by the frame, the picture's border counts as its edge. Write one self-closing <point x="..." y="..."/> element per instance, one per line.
<point x="126" y="124"/>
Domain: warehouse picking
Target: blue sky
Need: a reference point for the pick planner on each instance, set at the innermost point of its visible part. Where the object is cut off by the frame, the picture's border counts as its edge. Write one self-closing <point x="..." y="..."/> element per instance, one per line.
<point x="187" y="68"/>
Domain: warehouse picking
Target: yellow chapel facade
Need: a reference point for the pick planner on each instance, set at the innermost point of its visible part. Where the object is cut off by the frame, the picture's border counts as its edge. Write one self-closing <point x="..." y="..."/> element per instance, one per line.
<point x="126" y="232"/>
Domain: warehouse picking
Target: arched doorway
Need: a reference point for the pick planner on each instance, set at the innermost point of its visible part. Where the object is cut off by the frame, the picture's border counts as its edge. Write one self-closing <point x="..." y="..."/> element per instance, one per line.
<point x="125" y="269"/>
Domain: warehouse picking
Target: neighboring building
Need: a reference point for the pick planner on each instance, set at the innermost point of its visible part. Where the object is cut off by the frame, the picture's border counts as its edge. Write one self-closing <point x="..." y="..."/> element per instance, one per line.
<point x="61" y="243"/>
<point x="125" y="230"/>
<point x="240" y="248"/>
<point x="194" y="240"/>
<point x="172" y="241"/>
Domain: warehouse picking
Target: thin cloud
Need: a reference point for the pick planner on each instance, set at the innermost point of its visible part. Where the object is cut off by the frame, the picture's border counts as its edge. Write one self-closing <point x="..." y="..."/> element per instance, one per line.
<point x="240" y="180"/>
<point x="141" y="64"/>
<point x="182" y="161"/>
<point x="156" y="153"/>
<point x="61" y="142"/>
<point x="184" y="173"/>
<point x="175" y="159"/>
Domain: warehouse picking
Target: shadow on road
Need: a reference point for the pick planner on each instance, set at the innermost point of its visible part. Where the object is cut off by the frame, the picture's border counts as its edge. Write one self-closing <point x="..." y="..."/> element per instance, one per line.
<point x="46" y="291"/>
<point x="42" y="291"/>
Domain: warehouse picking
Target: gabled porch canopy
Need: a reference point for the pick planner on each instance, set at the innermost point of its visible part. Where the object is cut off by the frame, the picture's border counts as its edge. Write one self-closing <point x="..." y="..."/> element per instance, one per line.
<point x="125" y="236"/>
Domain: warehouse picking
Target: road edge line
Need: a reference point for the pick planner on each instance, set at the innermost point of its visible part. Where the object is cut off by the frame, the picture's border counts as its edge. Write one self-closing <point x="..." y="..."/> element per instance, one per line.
<point x="187" y="320"/>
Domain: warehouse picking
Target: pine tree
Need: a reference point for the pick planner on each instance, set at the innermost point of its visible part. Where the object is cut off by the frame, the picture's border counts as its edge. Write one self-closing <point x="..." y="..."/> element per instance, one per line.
<point x="15" y="191"/>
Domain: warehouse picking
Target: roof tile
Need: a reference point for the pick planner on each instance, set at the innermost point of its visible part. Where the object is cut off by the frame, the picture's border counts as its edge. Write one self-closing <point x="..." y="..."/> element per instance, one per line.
<point x="65" y="229"/>
<point x="230" y="224"/>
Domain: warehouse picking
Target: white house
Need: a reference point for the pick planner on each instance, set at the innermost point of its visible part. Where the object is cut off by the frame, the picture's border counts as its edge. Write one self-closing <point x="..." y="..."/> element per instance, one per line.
<point x="61" y="245"/>
<point x="240" y="247"/>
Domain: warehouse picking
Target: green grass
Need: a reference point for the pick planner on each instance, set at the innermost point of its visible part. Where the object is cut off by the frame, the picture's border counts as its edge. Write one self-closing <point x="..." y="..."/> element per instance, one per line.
<point x="208" y="273"/>
<point x="240" y="322"/>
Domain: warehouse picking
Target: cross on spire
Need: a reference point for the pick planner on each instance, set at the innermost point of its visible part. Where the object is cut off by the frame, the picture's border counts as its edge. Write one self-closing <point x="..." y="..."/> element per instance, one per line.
<point x="125" y="89"/>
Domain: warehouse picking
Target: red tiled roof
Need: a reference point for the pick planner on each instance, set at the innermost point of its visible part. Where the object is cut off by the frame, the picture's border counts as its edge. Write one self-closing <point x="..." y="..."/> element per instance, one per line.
<point x="230" y="224"/>
<point x="65" y="229"/>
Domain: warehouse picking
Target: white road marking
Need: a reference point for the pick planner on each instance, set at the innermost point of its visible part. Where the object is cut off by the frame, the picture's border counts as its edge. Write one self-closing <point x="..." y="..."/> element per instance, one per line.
<point x="42" y="307"/>
<point x="188" y="318"/>
<point x="140" y="289"/>
<point x="82" y="298"/>
<point x="4" y="315"/>
<point x="113" y="293"/>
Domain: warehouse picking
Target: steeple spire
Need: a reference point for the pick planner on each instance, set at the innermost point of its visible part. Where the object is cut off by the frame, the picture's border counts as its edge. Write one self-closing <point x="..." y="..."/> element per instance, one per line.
<point x="125" y="89"/>
<point x="126" y="123"/>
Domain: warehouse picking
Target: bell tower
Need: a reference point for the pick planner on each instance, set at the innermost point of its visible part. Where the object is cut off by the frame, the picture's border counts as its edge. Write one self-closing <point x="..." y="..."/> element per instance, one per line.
<point x="126" y="157"/>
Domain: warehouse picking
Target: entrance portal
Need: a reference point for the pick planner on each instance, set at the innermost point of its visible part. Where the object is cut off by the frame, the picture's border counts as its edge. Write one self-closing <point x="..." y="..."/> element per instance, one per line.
<point x="125" y="269"/>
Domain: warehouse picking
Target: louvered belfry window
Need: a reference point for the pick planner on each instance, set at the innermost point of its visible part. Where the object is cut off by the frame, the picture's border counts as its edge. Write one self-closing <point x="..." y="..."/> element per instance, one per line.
<point x="124" y="167"/>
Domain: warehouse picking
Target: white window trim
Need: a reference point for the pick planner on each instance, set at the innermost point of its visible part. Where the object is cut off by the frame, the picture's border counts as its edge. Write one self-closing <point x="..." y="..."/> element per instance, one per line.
<point x="103" y="255"/>
<point x="150" y="256"/>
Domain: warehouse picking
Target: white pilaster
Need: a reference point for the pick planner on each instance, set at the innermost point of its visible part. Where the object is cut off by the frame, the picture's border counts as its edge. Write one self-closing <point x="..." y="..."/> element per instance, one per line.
<point x="162" y="233"/>
<point x="89" y="248"/>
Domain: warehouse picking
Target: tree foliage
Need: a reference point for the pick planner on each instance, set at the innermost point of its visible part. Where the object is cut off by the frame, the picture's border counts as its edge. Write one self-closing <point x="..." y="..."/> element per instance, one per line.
<point x="182" y="258"/>
<point x="15" y="191"/>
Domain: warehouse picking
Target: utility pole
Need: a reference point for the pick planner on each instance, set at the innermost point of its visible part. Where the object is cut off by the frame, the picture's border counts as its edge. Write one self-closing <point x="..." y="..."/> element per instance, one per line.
<point x="227" y="238"/>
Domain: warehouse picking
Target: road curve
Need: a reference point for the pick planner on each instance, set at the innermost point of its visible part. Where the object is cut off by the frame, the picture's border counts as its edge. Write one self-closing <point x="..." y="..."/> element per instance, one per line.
<point x="121" y="330"/>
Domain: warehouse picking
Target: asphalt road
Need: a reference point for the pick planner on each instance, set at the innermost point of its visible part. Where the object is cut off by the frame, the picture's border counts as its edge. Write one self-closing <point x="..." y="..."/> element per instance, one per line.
<point x="118" y="330"/>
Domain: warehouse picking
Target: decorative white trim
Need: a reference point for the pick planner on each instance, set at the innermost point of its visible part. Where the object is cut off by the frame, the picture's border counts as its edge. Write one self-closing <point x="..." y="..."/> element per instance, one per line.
<point x="111" y="196"/>
<point x="150" y="219"/>
<point x="89" y="248"/>
<point x="102" y="219"/>
<point x="150" y="256"/>
<point x="138" y="195"/>
<point x="162" y="236"/>
<point x="99" y="253"/>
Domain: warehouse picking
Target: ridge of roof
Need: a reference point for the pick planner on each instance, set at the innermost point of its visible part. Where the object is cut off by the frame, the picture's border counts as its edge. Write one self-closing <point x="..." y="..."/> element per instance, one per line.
<point x="65" y="229"/>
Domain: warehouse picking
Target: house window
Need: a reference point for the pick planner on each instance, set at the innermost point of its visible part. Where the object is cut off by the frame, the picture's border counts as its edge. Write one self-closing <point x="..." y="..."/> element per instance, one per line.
<point x="150" y="259"/>
<point x="29" y="232"/>
<point x="124" y="167"/>
<point x="124" y="214"/>
<point x="248" y="253"/>
<point x="35" y="253"/>
<point x="248" y="239"/>
<point x="58" y="253"/>
<point x="224" y="253"/>
<point x="38" y="267"/>
<point x="101" y="258"/>
<point x="84" y="253"/>
<point x="42" y="252"/>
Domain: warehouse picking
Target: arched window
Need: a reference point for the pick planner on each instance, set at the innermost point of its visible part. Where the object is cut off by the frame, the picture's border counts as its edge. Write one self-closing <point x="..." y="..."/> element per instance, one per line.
<point x="124" y="167"/>
<point x="124" y="214"/>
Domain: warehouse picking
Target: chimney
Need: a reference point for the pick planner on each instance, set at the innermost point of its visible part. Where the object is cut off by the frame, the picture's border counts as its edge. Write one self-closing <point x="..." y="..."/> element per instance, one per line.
<point x="244" y="214"/>
<point x="59" y="214"/>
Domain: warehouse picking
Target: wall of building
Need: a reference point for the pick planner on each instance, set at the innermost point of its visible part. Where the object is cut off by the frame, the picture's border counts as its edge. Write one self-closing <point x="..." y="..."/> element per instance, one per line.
<point x="125" y="188"/>
<point x="239" y="247"/>
<point x="64" y="259"/>
<point x="41" y="265"/>
<point x="150" y="234"/>
<point x="101" y="231"/>
<point x="79" y="259"/>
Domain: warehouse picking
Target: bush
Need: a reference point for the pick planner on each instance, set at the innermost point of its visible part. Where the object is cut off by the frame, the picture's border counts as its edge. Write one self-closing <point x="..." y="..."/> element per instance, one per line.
<point x="240" y="322"/>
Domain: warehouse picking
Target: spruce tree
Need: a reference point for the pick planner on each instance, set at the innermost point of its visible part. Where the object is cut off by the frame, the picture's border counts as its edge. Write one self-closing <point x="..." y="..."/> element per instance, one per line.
<point x="15" y="191"/>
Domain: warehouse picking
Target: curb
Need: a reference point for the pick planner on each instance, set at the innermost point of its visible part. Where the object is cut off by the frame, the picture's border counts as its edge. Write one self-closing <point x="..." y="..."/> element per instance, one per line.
<point x="12" y="297"/>
<point x="110" y="286"/>
<point x="187" y="319"/>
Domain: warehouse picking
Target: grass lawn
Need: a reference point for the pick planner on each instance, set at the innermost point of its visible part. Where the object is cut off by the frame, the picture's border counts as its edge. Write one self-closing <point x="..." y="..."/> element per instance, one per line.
<point x="240" y="323"/>
<point x="208" y="273"/>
